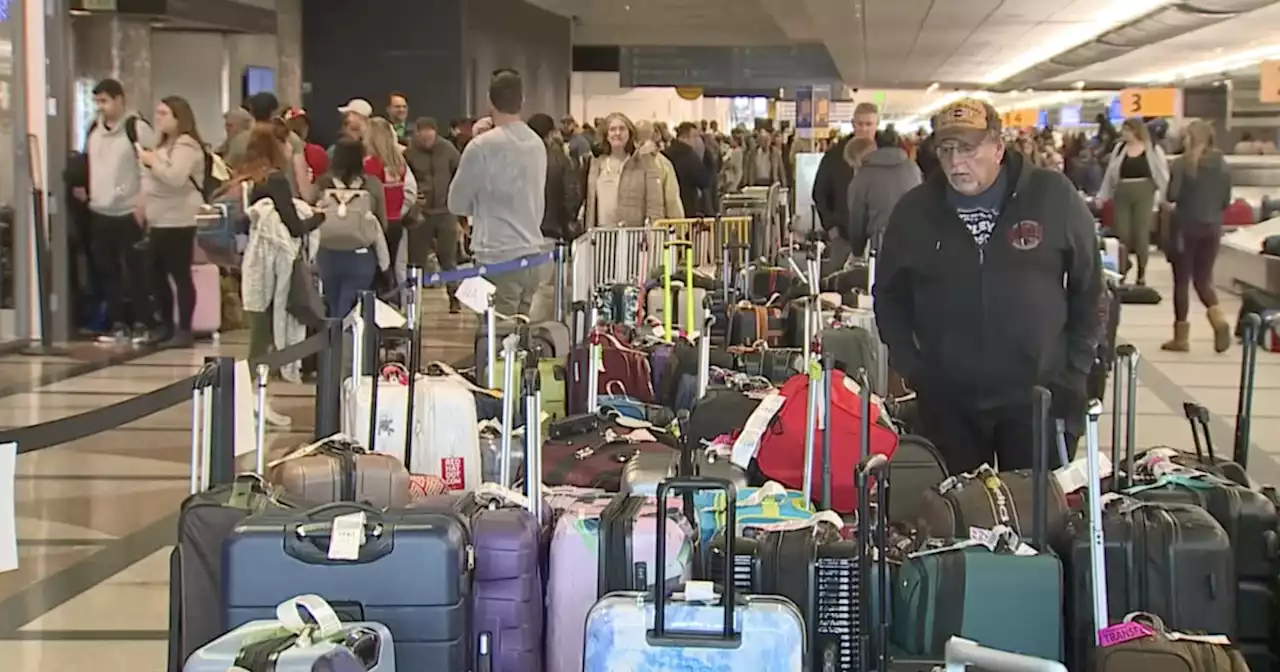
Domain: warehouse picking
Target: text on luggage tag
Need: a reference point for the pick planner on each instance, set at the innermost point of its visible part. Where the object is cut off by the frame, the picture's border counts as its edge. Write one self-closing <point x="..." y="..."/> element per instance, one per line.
<point x="1123" y="632"/>
<point x="453" y="472"/>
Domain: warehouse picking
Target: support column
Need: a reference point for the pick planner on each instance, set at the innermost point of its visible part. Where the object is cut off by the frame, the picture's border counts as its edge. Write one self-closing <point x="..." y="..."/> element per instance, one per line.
<point x="118" y="47"/>
<point x="289" y="48"/>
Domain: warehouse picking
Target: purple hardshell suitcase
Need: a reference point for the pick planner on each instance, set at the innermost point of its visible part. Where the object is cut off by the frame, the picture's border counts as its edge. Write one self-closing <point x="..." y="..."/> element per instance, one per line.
<point x="506" y="596"/>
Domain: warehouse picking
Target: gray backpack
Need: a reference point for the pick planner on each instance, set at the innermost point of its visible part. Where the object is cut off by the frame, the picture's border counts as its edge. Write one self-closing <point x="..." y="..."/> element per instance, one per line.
<point x="349" y="222"/>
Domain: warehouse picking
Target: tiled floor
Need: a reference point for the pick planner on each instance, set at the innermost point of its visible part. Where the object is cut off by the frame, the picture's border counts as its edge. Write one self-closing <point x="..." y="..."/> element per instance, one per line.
<point x="97" y="516"/>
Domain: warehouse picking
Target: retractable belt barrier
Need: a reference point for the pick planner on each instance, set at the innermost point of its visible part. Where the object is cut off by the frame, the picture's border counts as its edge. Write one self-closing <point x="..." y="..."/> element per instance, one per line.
<point x="218" y="372"/>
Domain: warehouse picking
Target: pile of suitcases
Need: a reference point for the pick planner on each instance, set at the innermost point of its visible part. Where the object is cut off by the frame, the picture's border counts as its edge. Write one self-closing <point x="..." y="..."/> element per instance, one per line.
<point x="713" y="497"/>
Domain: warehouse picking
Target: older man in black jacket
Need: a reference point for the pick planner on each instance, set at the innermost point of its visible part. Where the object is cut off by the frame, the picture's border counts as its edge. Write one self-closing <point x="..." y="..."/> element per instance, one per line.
<point x="988" y="285"/>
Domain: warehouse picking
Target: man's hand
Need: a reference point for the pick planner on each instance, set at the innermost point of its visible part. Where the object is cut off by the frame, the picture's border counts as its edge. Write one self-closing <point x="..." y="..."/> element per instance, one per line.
<point x="483" y="124"/>
<point x="80" y="194"/>
<point x="140" y="214"/>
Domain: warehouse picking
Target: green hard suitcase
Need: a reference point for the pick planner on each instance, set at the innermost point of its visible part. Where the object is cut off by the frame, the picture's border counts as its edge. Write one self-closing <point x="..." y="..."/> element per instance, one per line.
<point x="1003" y="600"/>
<point x="551" y="372"/>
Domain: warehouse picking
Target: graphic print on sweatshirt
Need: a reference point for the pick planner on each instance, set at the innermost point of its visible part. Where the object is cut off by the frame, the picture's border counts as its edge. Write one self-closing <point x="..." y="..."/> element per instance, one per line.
<point x="981" y="222"/>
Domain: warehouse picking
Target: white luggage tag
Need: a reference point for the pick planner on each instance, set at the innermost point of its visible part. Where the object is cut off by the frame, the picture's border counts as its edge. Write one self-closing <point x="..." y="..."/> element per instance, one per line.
<point x="772" y="489"/>
<point x="326" y="623"/>
<point x="494" y="493"/>
<point x="346" y="536"/>
<point x="748" y="442"/>
<point x="700" y="591"/>
<point x="829" y="517"/>
<point x="1000" y="535"/>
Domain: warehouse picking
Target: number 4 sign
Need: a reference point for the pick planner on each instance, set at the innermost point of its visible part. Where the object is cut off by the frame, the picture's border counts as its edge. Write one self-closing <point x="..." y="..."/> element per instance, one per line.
<point x="1269" y="82"/>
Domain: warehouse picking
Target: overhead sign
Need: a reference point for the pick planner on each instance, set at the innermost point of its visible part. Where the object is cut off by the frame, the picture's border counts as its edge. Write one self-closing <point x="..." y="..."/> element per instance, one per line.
<point x="1069" y="115"/>
<point x="1149" y="102"/>
<point x="726" y="67"/>
<point x="1020" y="118"/>
<point x="1269" y="82"/>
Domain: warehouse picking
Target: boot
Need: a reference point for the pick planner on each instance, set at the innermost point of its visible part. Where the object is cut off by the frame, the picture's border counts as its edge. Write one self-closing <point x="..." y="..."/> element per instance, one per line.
<point x="1181" y="338"/>
<point x="1221" y="329"/>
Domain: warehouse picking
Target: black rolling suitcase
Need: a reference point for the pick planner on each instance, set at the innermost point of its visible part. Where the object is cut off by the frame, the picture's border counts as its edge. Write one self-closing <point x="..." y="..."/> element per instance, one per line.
<point x="207" y="518"/>
<point x="1169" y="559"/>
<point x="1248" y="516"/>
<point x="814" y="567"/>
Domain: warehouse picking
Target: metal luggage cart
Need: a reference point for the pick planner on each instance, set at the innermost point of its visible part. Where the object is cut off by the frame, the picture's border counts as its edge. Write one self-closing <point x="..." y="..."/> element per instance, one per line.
<point x="767" y="207"/>
<point x="709" y="236"/>
<point x="624" y="255"/>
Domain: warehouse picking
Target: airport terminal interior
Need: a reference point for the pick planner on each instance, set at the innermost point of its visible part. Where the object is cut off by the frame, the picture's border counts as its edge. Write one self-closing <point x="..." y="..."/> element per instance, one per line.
<point x="95" y="515"/>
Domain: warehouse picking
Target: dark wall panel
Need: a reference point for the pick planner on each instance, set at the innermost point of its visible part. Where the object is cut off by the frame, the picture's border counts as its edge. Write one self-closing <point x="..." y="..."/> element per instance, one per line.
<point x="516" y="34"/>
<point x="414" y="46"/>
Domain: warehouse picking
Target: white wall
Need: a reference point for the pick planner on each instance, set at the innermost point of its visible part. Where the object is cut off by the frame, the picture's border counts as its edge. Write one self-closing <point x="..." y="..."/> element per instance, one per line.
<point x="189" y="64"/>
<point x="598" y="94"/>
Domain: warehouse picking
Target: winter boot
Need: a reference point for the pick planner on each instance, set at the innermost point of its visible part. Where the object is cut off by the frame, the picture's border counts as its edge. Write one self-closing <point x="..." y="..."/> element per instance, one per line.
<point x="1221" y="329"/>
<point x="1181" y="338"/>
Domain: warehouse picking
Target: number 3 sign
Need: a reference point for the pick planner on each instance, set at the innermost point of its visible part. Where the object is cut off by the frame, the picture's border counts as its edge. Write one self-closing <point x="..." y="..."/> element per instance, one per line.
<point x="1149" y="102"/>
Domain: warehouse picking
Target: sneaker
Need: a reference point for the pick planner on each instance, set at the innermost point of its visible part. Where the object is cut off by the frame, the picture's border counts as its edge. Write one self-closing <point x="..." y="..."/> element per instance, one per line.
<point x="455" y="306"/>
<point x="180" y="339"/>
<point x="118" y="334"/>
<point x="276" y="419"/>
<point x="143" y="336"/>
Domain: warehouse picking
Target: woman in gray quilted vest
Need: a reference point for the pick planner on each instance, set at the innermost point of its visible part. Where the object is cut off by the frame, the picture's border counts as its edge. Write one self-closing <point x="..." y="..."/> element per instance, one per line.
<point x="353" y="247"/>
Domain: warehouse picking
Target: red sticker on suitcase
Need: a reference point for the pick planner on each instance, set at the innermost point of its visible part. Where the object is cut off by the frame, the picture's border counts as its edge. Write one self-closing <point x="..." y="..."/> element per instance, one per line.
<point x="1123" y="632"/>
<point x="452" y="473"/>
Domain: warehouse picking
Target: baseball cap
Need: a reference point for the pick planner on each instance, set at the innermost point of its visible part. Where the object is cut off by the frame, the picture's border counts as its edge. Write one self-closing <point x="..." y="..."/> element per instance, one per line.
<point x="293" y="113"/>
<point x="358" y="106"/>
<point x="970" y="119"/>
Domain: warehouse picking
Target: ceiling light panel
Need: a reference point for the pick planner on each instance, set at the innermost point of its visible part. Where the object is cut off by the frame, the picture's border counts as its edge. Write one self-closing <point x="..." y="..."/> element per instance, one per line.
<point x="1223" y="63"/>
<point x="1108" y="16"/>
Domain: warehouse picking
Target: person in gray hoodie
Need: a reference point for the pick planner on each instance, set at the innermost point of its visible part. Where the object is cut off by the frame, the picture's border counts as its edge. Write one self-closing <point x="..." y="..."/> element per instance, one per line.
<point x="173" y="183"/>
<point x="501" y="185"/>
<point x="883" y="177"/>
<point x="118" y="213"/>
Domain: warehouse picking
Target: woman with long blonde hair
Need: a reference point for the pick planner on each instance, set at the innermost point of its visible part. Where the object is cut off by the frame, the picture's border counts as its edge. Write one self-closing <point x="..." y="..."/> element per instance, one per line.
<point x="1200" y="189"/>
<point x="385" y="161"/>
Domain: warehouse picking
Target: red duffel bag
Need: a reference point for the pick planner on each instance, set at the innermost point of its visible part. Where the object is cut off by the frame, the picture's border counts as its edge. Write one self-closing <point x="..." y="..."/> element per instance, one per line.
<point x="781" y="454"/>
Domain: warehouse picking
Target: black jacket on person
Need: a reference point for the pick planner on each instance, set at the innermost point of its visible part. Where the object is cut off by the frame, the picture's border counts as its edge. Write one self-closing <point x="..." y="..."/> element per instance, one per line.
<point x="927" y="156"/>
<point x="831" y="188"/>
<point x="988" y="323"/>
<point x="692" y="174"/>
<point x="564" y="195"/>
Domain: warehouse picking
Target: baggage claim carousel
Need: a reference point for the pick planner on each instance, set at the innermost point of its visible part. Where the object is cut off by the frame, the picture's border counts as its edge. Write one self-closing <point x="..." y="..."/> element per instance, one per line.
<point x="1241" y="266"/>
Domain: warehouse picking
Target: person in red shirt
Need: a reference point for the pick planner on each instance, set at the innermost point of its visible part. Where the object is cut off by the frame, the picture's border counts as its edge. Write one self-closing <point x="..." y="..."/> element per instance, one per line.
<point x="316" y="157"/>
<point x="385" y="160"/>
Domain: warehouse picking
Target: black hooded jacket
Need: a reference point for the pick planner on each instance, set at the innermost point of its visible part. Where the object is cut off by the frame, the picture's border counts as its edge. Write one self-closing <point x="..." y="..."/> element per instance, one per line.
<point x="990" y="322"/>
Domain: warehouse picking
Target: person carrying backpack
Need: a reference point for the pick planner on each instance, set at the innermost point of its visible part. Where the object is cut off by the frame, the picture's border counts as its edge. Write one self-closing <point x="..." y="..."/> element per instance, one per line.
<point x="117" y="212"/>
<point x="174" y="177"/>
<point x="353" y="245"/>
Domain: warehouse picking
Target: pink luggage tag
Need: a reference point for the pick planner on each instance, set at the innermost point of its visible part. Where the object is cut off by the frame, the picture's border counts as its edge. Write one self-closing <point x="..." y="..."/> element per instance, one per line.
<point x="1123" y="632"/>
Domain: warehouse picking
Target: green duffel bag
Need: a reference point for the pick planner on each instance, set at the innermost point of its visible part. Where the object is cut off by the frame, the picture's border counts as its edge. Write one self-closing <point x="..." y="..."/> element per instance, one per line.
<point x="1008" y="602"/>
<point x="551" y="374"/>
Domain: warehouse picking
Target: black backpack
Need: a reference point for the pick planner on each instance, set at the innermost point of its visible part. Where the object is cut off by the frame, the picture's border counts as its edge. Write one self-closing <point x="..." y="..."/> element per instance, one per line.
<point x="209" y="185"/>
<point x="130" y="131"/>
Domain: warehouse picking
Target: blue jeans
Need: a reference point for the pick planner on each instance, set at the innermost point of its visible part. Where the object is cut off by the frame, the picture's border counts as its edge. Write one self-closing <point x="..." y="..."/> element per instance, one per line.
<point x="344" y="274"/>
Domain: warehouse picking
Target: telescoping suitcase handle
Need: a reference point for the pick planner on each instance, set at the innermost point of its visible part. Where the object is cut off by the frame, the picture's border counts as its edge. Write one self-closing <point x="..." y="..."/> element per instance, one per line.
<point x="873" y="541"/>
<point x="1124" y="413"/>
<point x="660" y="635"/>
<point x="1097" y="551"/>
<point x="1254" y="328"/>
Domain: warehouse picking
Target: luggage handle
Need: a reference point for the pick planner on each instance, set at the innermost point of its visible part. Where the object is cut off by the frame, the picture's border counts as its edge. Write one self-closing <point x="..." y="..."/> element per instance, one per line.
<point x="1043" y="433"/>
<point x="869" y="466"/>
<point x="1124" y="433"/>
<point x="309" y="542"/>
<point x="413" y="297"/>
<point x="201" y="428"/>
<point x="961" y="653"/>
<point x="533" y="439"/>
<point x="263" y="373"/>
<point x="1097" y="550"/>
<point x="828" y="363"/>
<point x="660" y="635"/>
<point x="1254" y="327"/>
<point x="1198" y="418"/>
<point x="508" y="410"/>
<point x="704" y="357"/>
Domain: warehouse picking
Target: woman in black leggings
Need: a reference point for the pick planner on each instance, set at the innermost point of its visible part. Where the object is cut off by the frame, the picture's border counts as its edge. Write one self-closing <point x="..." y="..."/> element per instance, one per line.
<point x="1200" y="189"/>
<point x="174" y="175"/>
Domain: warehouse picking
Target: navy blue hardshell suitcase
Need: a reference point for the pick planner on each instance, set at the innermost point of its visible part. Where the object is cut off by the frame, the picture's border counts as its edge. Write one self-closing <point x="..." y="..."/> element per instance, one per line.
<point x="413" y="574"/>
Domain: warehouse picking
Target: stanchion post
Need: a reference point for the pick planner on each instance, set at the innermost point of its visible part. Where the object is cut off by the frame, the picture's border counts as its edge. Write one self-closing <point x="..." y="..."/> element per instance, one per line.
<point x="561" y="254"/>
<point x="329" y="381"/>
<point x="369" y="346"/>
<point x="222" y="452"/>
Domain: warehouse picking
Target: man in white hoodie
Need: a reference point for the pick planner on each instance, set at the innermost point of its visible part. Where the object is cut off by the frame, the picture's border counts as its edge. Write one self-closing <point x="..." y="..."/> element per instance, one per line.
<point x="116" y="206"/>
